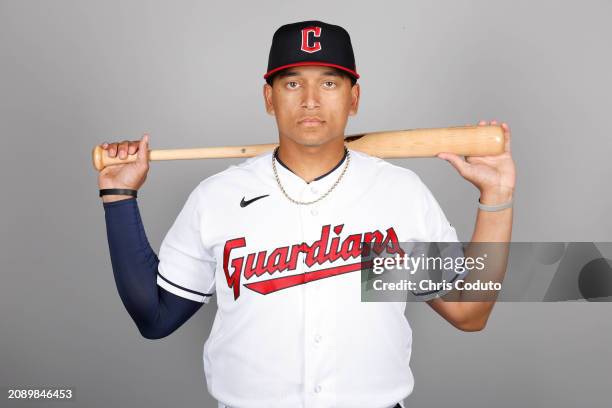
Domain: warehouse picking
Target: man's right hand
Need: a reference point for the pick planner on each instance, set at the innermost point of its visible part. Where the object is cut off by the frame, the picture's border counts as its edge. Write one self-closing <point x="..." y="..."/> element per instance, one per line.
<point x="130" y="175"/>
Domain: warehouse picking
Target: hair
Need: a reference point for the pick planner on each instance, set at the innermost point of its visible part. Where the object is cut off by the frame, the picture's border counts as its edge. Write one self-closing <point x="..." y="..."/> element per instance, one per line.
<point x="270" y="79"/>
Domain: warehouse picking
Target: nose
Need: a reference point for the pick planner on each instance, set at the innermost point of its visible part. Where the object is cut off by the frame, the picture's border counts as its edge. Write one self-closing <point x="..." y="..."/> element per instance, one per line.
<point x="310" y="97"/>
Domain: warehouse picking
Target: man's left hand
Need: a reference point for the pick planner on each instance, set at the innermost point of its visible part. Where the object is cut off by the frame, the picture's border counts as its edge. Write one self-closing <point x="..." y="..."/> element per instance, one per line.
<point x="493" y="176"/>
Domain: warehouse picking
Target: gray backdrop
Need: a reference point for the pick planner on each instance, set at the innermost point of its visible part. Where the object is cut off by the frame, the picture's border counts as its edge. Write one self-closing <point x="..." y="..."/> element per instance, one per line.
<point x="77" y="73"/>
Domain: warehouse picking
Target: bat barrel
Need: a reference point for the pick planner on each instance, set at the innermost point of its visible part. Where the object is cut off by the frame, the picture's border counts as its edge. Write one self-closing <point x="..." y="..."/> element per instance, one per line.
<point x="461" y="140"/>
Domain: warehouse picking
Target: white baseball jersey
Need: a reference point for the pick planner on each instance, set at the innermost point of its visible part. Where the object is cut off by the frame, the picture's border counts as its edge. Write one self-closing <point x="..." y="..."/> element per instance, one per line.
<point x="291" y="329"/>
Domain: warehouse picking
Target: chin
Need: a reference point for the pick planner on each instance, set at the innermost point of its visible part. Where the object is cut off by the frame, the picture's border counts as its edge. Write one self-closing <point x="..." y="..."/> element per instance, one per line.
<point x="312" y="142"/>
<point x="311" y="138"/>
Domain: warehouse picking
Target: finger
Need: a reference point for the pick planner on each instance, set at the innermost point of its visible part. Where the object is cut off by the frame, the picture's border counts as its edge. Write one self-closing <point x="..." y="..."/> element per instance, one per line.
<point x="123" y="148"/>
<point x="506" y="136"/>
<point x="104" y="145"/>
<point x="456" y="161"/>
<point x="482" y="123"/>
<point x="133" y="147"/>
<point x="143" y="149"/>
<point x="494" y="122"/>
<point x="112" y="150"/>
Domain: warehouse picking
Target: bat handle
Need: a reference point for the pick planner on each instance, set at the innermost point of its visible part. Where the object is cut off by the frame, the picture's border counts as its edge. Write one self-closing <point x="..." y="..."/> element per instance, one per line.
<point x="101" y="160"/>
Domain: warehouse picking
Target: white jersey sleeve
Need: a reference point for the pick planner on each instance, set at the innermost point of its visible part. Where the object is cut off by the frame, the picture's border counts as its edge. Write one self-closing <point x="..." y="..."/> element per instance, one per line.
<point x="439" y="229"/>
<point x="186" y="268"/>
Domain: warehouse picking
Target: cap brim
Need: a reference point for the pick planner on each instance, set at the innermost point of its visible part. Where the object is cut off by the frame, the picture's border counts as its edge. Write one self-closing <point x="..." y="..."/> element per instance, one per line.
<point x="306" y="63"/>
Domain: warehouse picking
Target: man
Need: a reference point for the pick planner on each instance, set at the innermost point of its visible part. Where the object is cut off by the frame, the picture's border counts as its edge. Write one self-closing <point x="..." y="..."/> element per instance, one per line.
<point x="277" y="238"/>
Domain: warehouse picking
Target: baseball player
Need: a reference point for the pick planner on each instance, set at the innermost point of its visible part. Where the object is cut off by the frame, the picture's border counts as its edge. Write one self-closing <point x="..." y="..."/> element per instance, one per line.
<point x="277" y="239"/>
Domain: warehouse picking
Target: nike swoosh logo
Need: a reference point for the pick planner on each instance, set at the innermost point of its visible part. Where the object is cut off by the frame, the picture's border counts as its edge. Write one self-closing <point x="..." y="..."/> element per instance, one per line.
<point x="244" y="203"/>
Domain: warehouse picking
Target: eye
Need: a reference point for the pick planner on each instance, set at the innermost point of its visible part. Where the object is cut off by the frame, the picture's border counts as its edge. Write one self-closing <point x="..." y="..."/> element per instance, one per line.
<point x="329" y="84"/>
<point x="292" y="84"/>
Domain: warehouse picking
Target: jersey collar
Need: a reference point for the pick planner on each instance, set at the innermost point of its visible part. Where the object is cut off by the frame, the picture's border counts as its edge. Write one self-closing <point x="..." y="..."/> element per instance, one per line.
<point x="278" y="160"/>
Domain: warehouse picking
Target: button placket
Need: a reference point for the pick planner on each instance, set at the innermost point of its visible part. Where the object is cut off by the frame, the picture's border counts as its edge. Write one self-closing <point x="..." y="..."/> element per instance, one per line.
<point x="309" y="307"/>
<point x="316" y="352"/>
<point x="313" y="337"/>
<point x="318" y="344"/>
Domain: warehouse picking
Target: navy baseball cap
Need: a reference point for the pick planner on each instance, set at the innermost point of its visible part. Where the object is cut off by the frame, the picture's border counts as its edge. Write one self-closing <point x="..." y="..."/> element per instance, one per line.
<point x="311" y="43"/>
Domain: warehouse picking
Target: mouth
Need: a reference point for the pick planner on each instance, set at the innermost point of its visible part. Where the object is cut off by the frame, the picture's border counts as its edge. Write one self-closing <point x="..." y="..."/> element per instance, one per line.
<point x="311" y="121"/>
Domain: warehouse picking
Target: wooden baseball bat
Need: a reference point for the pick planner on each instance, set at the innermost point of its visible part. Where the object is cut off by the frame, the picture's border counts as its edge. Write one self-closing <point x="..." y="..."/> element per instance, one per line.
<point x="461" y="140"/>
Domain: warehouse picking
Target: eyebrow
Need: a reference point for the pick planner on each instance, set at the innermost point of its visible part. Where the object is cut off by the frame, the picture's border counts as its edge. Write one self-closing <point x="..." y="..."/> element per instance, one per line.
<point x="288" y="73"/>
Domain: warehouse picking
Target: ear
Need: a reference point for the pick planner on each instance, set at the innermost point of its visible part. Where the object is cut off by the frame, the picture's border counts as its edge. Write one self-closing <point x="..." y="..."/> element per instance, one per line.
<point x="355" y="94"/>
<point x="267" y="94"/>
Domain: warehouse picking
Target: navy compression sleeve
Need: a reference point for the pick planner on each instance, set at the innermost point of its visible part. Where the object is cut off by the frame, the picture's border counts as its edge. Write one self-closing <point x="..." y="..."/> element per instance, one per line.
<point x="156" y="312"/>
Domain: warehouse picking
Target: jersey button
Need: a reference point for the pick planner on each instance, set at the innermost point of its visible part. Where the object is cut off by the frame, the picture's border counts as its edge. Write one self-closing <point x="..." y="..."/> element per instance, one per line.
<point x="318" y="338"/>
<point x="317" y="389"/>
<point x="314" y="212"/>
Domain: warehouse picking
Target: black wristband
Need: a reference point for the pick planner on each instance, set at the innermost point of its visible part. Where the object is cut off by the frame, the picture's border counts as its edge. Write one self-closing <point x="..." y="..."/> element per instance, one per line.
<point x="118" y="191"/>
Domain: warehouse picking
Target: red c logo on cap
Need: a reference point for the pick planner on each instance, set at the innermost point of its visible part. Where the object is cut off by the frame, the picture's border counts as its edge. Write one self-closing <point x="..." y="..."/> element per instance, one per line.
<point x="316" y="46"/>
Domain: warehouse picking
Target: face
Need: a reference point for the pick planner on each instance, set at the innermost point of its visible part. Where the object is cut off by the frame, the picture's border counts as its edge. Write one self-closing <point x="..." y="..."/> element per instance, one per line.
<point x="311" y="104"/>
